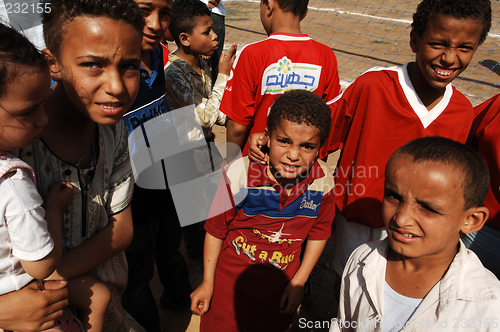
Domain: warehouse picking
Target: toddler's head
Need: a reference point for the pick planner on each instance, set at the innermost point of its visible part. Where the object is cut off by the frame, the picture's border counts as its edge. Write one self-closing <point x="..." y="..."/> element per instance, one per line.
<point x="298" y="125"/>
<point x="24" y="85"/>
<point x="94" y="55"/>
<point x="434" y="189"/>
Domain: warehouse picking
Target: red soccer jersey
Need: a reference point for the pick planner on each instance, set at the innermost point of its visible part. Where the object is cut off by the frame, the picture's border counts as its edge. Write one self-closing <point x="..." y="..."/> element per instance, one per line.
<point x="383" y="112"/>
<point x="266" y="69"/>
<point x="263" y="227"/>
<point x="484" y="138"/>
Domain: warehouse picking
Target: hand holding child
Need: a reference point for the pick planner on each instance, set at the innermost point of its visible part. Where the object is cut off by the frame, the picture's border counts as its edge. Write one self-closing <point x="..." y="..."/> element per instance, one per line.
<point x="226" y="60"/>
<point x="30" y="309"/>
<point x="200" y="298"/>
<point x="255" y="144"/>
<point x="292" y="297"/>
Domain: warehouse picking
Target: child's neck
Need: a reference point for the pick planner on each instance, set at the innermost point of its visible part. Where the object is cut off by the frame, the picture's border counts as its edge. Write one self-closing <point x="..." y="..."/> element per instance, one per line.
<point x="285" y="23"/>
<point x="69" y="133"/>
<point x="429" y="96"/>
<point x="415" y="277"/>
<point x="192" y="59"/>
<point x="146" y="60"/>
<point x="288" y="184"/>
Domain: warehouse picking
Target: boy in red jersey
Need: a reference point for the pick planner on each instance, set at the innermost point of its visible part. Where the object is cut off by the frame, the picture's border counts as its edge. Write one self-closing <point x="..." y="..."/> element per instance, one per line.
<point x="254" y="277"/>
<point x="412" y="101"/>
<point x="484" y="138"/>
<point x="264" y="70"/>
<point x="387" y="107"/>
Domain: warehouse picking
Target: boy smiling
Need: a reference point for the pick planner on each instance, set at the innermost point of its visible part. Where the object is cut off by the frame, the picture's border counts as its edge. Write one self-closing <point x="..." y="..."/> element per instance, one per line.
<point x="422" y="278"/>
<point x="387" y="107"/>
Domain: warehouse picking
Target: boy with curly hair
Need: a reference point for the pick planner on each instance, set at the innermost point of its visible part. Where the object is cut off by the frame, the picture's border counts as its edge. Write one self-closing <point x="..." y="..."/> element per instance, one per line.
<point x="260" y="217"/>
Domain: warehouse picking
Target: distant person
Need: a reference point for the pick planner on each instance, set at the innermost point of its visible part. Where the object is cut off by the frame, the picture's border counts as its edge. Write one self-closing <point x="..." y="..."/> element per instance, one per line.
<point x="189" y="84"/>
<point x="254" y="277"/>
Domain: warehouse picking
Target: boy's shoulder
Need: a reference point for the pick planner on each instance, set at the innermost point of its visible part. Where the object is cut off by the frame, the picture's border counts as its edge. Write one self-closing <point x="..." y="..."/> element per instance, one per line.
<point x="469" y="279"/>
<point x="277" y="39"/>
<point x="377" y="78"/>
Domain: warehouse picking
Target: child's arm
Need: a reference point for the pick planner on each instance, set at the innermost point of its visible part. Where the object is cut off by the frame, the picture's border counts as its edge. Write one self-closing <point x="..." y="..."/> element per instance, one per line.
<point x="181" y="92"/>
<point x="102" y="246"/>
<point x="294" y="291"/>
<point x="57" y="202"/>
<point x="200" y="298"/>
<point x="236" y="134"/>
<point x="207" y="110"/>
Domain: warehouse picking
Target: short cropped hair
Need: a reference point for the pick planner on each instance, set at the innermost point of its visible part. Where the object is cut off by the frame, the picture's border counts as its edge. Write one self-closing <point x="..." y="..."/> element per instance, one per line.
<point x="185" y="14"/>
<point x="16" y="52"/>
<point x="296" y="7"/>
<point x="62" y="12"/>
<point x="300" y="106"/>
<point x="479" y="10"/>
<point x="476" y="180"/>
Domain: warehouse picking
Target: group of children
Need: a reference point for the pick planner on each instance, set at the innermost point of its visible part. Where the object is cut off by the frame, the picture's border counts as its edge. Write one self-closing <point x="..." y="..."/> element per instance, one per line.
<point x="70" y="148"/>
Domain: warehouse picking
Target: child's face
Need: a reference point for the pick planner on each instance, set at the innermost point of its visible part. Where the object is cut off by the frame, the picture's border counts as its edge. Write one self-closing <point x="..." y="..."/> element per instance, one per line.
<point x="293" y="148"/>
<point x="445" y="49"/>
<point x="99" y="67"/>
<point x="423" y="207"/>
<point x="157" y="15"/>
<point x="21" y="109"/>
<point x="203" y="39"/>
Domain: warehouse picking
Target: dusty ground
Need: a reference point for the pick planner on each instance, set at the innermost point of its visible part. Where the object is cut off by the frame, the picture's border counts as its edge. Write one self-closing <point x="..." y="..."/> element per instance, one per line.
<point x="320" y="310"/>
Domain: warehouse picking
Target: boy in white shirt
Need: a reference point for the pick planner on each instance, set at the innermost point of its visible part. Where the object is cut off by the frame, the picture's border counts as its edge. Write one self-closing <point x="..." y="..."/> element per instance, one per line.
<point x="421" y="277"/>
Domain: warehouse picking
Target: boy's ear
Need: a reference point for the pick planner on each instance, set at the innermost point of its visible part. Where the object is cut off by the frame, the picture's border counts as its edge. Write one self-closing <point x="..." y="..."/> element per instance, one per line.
<point x="184" y="39"/>
<point x="271" y="4"/>
<point x="476" y="219"/>
<point x="304" y="15"/>
<point x="268" y="134"/>
<point x="413" y="41"/>
<point x="53" y="64"/>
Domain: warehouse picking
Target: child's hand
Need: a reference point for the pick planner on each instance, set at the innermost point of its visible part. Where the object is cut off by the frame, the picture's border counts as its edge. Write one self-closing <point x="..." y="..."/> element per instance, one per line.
<point x="60" y="196"/>
<point x="201" y="297"/>
<point x="255" y="144"/>
<point x="291" y="299"/>
<point x="226" y="60"/>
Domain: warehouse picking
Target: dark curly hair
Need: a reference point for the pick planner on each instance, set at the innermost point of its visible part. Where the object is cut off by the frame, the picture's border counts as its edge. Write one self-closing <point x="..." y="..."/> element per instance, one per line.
<point x="184" y="17"/>
<point x="296" y="7"/>
<point x="301" y="106"/>
<point x="479" y="10"/>
<point x="16" y="51"/>
<point x="62" y="12"/>
<point x="476" y="180"/>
